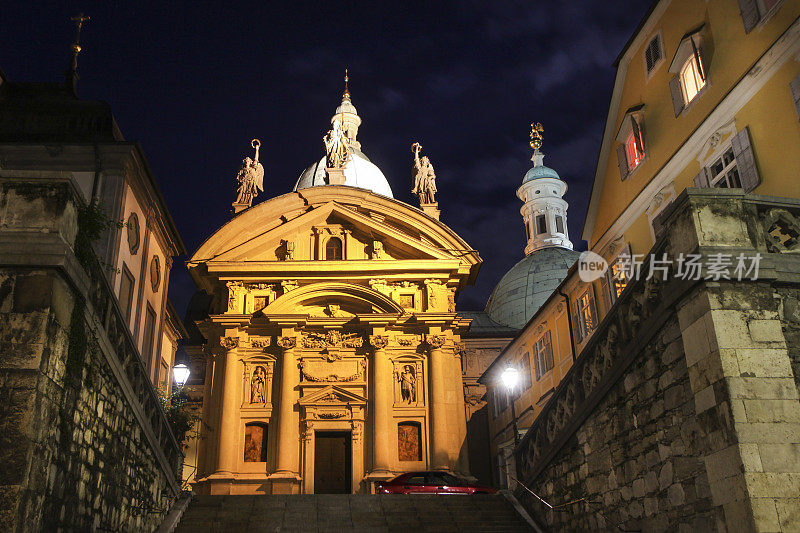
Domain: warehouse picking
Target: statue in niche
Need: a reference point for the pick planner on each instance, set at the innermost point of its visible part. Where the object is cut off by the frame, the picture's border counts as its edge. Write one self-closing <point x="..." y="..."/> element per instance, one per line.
<point x="336" y="149"/>
<point x="424" y="177"/>
<point x="408" y="384"/>
<point x="258" y="385"/>
<point x="250" y="178"/>
<point x="335" y="311"/>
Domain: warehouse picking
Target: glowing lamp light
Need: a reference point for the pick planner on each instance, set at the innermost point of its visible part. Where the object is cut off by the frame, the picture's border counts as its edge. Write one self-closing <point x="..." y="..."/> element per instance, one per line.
<point x="181" y="374"/>
<point x="510" y="377"/>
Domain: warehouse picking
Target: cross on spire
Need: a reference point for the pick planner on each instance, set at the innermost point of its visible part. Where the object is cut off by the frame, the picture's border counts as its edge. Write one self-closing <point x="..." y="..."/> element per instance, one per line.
<point x="76" y="46"/>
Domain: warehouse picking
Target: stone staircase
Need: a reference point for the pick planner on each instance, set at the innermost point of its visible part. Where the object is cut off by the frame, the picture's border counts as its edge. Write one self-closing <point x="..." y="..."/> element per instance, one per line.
<point x="351" y="512"/>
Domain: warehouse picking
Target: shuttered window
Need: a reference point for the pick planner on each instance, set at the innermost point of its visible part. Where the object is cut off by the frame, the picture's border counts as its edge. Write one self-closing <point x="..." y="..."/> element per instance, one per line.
<point x="754" y="11"/>
<point x="794" y="86"/>
<point x="735" y="168"/>
<point x="690" y="66"/>
<point x="543" y="352"/>
<point x="585" y="315"/>
<point x="652" y="54"/>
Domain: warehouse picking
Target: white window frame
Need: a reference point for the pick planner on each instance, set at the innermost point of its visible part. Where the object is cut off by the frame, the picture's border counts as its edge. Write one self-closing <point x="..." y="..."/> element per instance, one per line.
<point x="700" y="84"/>
<point x="724" y="175"/>
<point x="632" y="155"/>
<point x="541" y="349"/>
<point x="586" y="313"/>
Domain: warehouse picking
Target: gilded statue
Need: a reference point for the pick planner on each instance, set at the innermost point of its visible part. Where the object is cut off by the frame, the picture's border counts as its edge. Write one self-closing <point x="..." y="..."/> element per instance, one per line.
<point x="536" y="135"/>
<point x="336" y="149"/>
<point x="424" y="177"/>
<point x="250" y="178"/>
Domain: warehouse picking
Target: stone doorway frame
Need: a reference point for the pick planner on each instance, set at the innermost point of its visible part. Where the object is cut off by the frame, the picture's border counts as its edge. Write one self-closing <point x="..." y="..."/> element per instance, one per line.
<point x="332" y="408"/>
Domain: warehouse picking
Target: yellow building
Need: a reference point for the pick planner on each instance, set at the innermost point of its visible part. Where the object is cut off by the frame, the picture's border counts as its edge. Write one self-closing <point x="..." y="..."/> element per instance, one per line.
<point x="707" y="94"/>
<point x="333" y="349"/>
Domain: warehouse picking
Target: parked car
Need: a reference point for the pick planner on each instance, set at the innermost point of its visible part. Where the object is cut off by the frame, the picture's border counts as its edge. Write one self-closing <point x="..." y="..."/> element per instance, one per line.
<point x="431" y="483"/>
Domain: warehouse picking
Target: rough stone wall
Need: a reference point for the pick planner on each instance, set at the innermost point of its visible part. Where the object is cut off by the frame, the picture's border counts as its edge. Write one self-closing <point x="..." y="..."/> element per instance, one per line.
<point x="636" y="459"/>
<point x="72" y="449"/>
<point x="790" y="321"/>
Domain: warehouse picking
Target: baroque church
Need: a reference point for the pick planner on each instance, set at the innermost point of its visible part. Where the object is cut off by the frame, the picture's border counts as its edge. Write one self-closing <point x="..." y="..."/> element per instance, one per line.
<point x="333" y="350"/>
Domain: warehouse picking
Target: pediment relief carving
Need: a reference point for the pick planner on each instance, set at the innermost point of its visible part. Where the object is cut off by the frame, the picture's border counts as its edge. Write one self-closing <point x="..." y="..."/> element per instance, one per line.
<point x="332" y="395"/>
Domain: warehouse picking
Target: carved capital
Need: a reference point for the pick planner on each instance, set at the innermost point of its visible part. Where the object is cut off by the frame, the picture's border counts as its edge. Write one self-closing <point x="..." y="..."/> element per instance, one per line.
<point x="287" y="343"/>
<point x="379" y="342"/>
<point x="229" y="343"/>
<point x="459" y="349"/>
<point x="435" y="341"/>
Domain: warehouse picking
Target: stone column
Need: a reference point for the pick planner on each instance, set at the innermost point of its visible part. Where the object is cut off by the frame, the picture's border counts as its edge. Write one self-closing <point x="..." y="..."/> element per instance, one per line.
<point x="226" y="447"/>
<point x="462" y="464"/>
<point x="437" y="370"/>
<point x="287" y="460"/>
<point x="382" y="403"/>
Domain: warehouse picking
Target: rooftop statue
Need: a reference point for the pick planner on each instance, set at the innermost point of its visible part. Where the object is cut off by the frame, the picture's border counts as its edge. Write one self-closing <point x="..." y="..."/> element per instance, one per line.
<point x="250" y="178"/>
<point x="424" y="177"/>
<point x="536" y="135"/>
<point x="336" y="148"/>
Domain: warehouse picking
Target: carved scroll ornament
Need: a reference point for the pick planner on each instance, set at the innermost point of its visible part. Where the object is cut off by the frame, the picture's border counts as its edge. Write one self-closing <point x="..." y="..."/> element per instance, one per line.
<point x="379" y="342"/>
<point x="287" y="343"/>
<point x="435" y="341"/>
<point x="229" y="343"/>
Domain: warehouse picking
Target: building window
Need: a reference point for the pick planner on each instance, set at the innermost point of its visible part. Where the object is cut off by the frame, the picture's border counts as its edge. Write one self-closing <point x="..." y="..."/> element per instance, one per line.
<point x="585" y="315"/>
<point x="617" y="277"/>
<point x="541" y="224"/>
<point x="560" y="224"/>
<point x="692" y="79"/>
<point x="527" y="230"/>
<point x="126" y="285"/>
<point x="409" y="441"/>
<point x="690" y="66"/>
<point x="255" y="442"/>
<point x="653" y="54"/>
<point x="149" y="336"/>
<point x="333" y="249"/>
<point x="163" y="375"/>
<point x="525" y="368"/>
<point x="543" y="351"/>
<point x="634" y="152"/>
<point x="735" y="168"/>
<point x="756" y="11"/>
<point x="631" y="150"/>
<point x="499" y="400"/>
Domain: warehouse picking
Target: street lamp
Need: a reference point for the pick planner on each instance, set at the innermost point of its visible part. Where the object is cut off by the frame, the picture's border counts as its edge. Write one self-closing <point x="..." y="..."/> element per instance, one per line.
<point x="510" y="378"/>
<point x="180" y="371"/>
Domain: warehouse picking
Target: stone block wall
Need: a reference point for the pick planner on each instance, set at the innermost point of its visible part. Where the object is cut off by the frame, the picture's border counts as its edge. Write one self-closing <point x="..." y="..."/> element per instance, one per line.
<point x="76" y="446"/>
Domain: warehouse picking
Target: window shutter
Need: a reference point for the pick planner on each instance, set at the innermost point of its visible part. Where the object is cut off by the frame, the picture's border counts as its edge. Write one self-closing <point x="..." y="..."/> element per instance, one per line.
<point x="606" y="283"/>
<point x="677" y="95"/>
<point x="622" y="161"/>
<point x="701" y="180"/>
<point x="701" y="66"/>
<point x="658" y="221"/>
<point x="745" y="161"/>
<point x="592" y="310"/>
<point x="749" y="11"/>
<point x="638" y="139"/>
<point x="794" y="85"/>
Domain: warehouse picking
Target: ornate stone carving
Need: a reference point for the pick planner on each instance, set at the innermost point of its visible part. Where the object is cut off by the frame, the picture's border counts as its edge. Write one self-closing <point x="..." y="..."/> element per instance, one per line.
<point x="360" y="375"/>
<point x="258" y="385"/>
<point x="331" y="415"/>
<point x="407" y="341"/>
<point x="235" y="288"/>
<point x="335" y="311"/>
<point x="288" y="250"/>
<point x="332" y="339"/>
<point x="229" y="343"/>
<point x="250" y="178"/>
<point x="289" y="285"/>
<point x="377" y="250"/>
<point x="261" y="342"/>
<point x="459" y="349"/>
<point x="782" y="230"/>
<point x="287" y="343"/>
<point x="336" y="148"/>
<point x="408" y="384"/>
<point x="424" y="177"/>
<point x="330" y="397"/>
<point x="379" y="342"/>
<point x="435" y="341"/>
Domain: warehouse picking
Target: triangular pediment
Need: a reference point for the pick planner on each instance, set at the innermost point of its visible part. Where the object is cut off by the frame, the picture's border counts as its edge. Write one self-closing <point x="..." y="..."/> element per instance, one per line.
<point x="324" y="221"/>
<point x="332" y="395"/>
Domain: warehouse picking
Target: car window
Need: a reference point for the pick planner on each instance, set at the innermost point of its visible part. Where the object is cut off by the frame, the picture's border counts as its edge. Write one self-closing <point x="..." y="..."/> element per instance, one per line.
<point x="415" y="480"/>
<point x="452" y="481"/>
<point x="441" y="479"/>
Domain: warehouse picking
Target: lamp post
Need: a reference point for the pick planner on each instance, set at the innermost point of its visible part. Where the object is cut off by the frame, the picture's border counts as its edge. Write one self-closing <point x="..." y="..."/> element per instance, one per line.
<point x="180" y="371"/>
<point x="510" y="378"/>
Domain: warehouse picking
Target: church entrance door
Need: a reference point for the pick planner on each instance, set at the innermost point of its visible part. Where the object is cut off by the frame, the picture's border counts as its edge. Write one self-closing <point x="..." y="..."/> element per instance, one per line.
<point x="332" y="462"/>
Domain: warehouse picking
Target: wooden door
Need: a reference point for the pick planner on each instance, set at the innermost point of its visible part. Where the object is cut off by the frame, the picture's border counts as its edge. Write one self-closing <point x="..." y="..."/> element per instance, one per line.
<point x="332" y="462"/>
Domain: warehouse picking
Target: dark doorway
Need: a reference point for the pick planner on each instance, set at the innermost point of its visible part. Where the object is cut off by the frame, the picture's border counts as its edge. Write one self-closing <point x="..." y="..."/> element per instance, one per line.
<point x="332" y="462"/>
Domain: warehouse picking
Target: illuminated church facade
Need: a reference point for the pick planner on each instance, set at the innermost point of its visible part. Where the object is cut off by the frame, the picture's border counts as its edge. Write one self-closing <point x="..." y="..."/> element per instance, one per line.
<point x="332" y="348"/>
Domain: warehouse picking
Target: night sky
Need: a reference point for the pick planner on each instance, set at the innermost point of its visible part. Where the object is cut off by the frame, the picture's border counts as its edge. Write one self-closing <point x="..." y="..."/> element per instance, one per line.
<point x="195" y="81"/>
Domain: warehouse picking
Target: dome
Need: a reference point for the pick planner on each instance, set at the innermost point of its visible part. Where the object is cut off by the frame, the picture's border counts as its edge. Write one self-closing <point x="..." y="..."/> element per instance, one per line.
<point x="540" y="172"/>
<point x="358" y="172"/>
<point x="529" y="283"/>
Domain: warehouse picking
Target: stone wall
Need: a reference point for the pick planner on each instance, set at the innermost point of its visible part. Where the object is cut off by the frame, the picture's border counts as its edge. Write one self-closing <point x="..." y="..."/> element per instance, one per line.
<point x="81" y="446"/>
<point x="682" y="412"/>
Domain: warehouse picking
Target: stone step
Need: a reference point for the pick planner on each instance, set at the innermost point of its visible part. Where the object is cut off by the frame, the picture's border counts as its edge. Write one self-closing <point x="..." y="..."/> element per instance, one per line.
<point x="351" y="512"/>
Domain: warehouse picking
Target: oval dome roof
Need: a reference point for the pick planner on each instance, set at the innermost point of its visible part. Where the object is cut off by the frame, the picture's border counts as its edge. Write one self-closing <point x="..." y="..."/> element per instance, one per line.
<point x="358" y="172"/>
<point x="528" y="284"/>
<point x="540" y="172"/>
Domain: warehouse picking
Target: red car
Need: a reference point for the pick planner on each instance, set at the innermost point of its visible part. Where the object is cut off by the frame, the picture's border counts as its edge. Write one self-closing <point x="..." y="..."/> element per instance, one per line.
<point x="430" y="483"/>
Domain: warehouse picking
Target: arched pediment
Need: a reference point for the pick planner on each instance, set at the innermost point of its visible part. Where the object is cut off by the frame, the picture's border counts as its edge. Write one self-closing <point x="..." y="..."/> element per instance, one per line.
<point x="317" y="298"/>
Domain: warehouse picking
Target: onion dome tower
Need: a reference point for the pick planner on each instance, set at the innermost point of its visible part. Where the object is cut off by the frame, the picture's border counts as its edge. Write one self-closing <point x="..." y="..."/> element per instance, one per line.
<point x="359" y="171"/>
<point x="548" y="250"/>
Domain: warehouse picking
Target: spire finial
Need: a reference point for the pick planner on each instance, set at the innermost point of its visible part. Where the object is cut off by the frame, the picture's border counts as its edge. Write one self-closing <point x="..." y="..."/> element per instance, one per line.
<point x="536" y="135"/>
<point x="346" y="93"/>
<point x="76" y="46"/>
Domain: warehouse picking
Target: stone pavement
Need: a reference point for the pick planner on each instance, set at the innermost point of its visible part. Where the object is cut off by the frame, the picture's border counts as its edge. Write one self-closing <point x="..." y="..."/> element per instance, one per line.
<point x="351" y="512"/>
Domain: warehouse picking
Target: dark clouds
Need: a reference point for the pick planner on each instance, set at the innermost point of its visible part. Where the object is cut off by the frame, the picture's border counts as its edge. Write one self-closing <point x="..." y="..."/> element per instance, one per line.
<point x="195" y="81"/>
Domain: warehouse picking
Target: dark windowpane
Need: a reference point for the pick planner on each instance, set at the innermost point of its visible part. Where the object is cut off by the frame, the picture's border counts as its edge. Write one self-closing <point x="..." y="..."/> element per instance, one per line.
<point x="126" y="291"/>
<point x="416" y="480"/>
<point x="149" y="336"/>
<point x="333" y="249"/>
<point x="541" y="224"/>
<point x="255" y="443"/>
<point x="559" y="224"/>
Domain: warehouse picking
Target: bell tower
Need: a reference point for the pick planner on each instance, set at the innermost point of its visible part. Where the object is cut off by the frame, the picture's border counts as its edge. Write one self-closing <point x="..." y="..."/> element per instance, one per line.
<point x="544" y="210"/>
